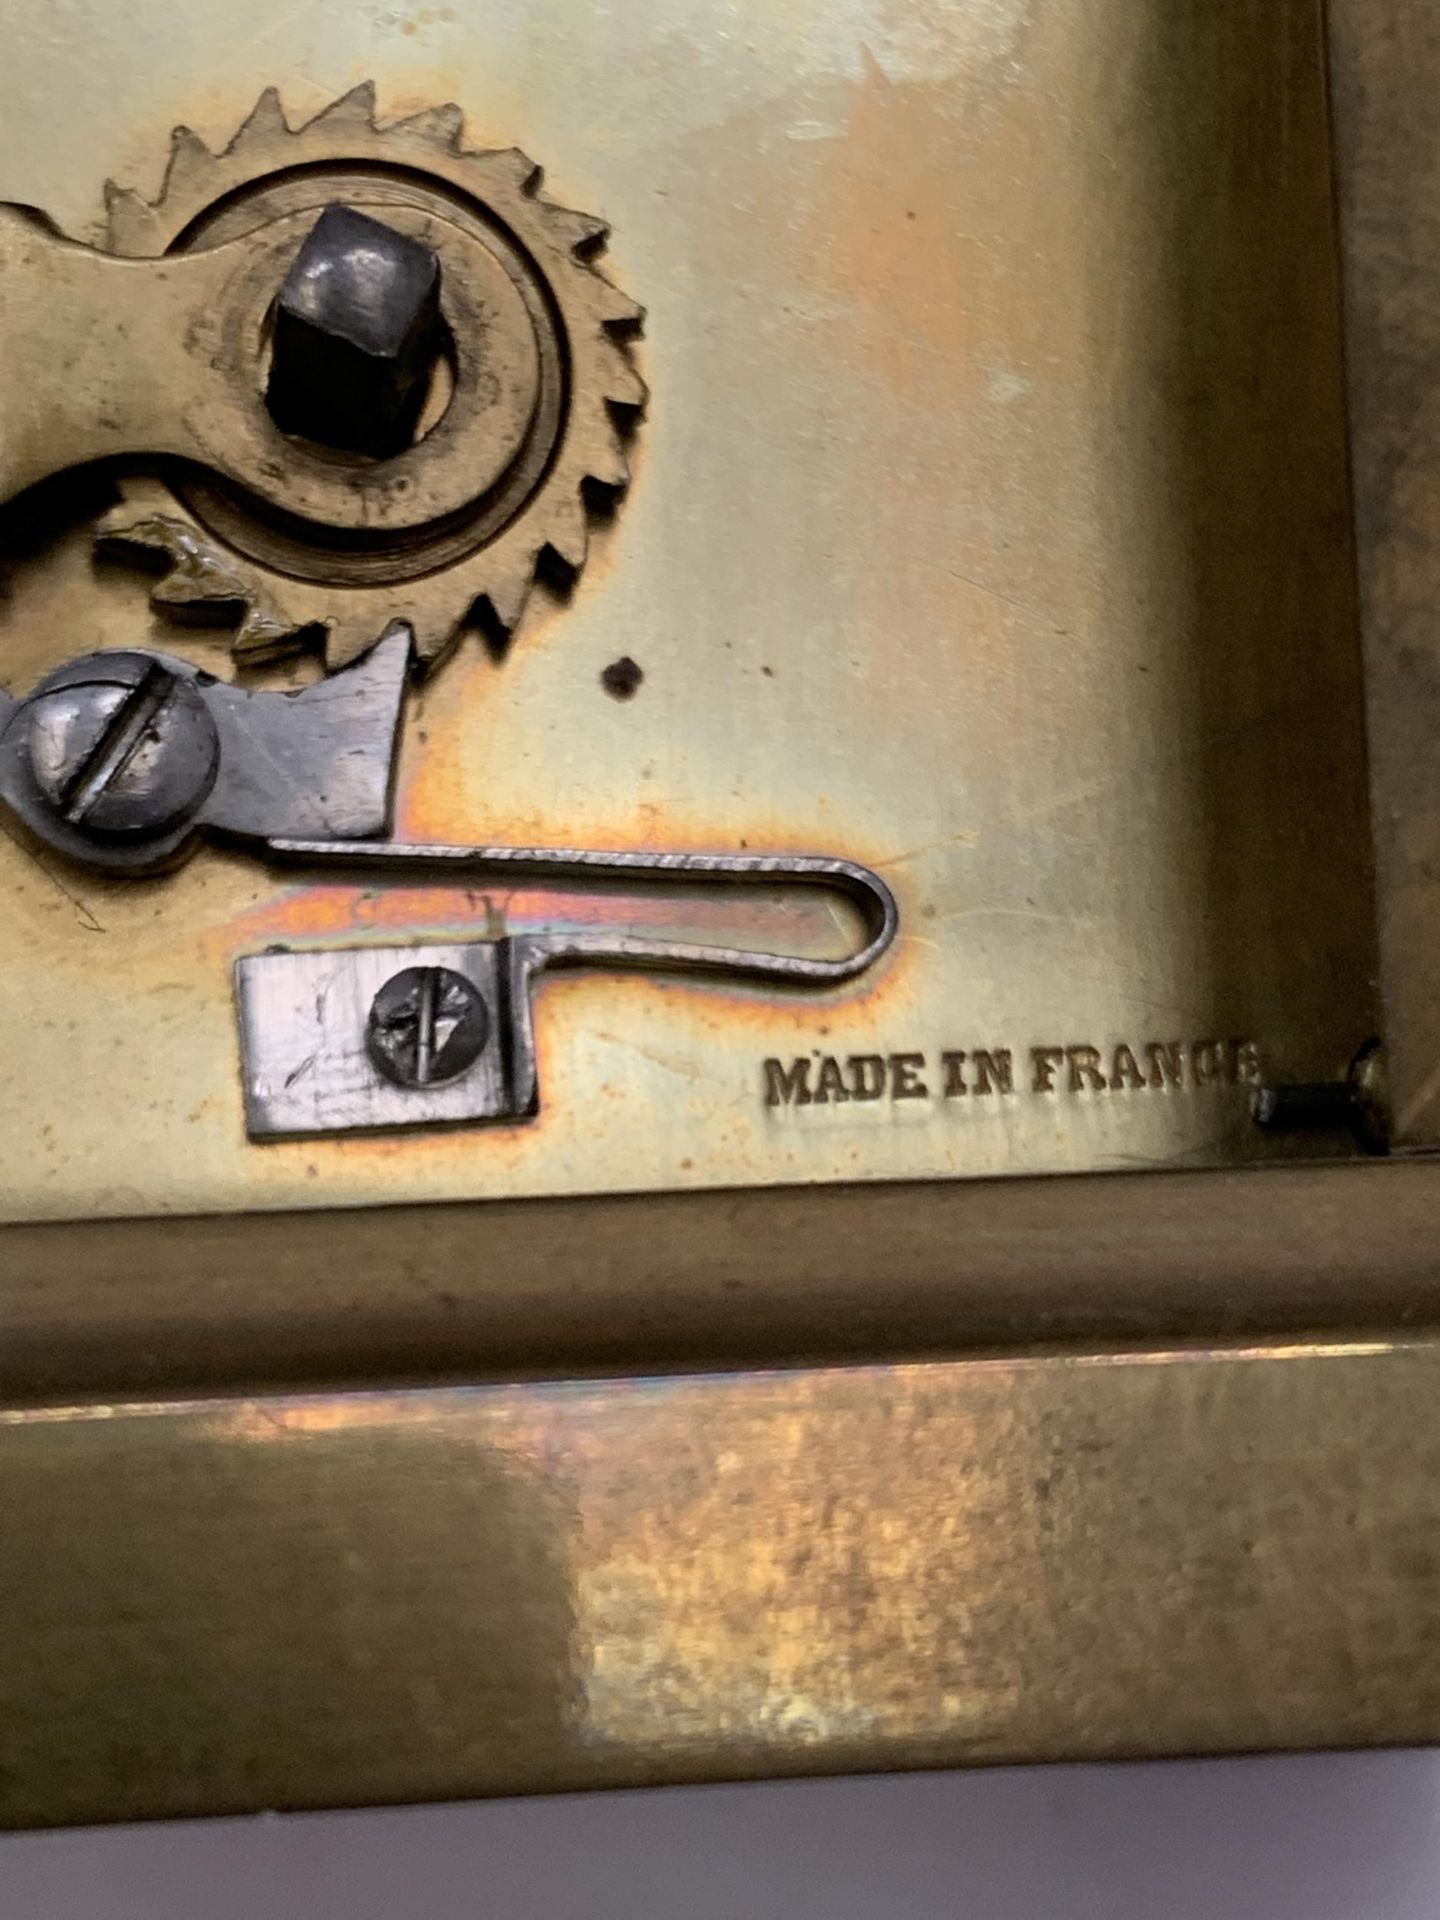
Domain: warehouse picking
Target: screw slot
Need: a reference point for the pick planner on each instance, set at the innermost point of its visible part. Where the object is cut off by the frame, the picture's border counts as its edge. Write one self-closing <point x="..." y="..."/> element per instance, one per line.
<point x="427" y="1026"/>
<point x="121" y="745"/>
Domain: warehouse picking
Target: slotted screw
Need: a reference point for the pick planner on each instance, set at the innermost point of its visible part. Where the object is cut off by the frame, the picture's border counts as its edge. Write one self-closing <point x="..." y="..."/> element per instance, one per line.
<point x="120" y="744"/>
<point x="427" y="1026"/>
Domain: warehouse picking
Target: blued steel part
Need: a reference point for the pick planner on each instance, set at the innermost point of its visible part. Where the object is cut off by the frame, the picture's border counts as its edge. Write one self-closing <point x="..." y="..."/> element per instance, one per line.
<point x="860" y="885"/>
<point x="357" y="335"/>
<point x="320" y="760"/>
<point x="1358" y="1104"/>
<point x="308" y="1057"/>
<point x="1385" y="73"/>
<point x="121" y="745"/>
<point x="282" y="584"/>
<point x="325" y="754"/>
<point x="483" y="1589"/>
<point x="136" y="854"/>
<point x="427" y="1026"/>
<point x="308" y="1061"/>
<point x="162" y="358"/>
<point x="1320" y="1106"/>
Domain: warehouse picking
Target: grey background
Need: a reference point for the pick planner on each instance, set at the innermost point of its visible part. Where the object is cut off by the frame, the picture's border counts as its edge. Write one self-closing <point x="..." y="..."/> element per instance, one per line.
<point x="1327" y="1837"/>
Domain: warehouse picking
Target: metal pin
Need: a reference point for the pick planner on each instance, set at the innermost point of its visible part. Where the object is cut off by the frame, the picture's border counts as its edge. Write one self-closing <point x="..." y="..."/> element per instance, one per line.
<point x="358" y="333"/>
<point x="1354" y="1105"/>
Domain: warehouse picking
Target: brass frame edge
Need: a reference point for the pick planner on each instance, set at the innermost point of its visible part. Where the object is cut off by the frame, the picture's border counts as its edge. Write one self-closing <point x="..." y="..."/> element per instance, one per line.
<point x="310" y="1600"/>
<point x="722" y="1278"/>
<point x="1384" y="65"/>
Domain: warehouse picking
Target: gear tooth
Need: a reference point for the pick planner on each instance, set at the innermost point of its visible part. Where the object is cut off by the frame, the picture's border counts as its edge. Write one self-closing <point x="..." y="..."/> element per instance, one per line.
<point x="353" y="109"/>
<point x="509" y="167"/>
<point x="506" y="596"/>
<point x="582" y="233"/>
<point x="130" y="220"/>
<point x="190" y="590"/>
<point x="345" y="642"/>
<point x="265" y="120"/>
<point x="433" y="640"/>
<point x="623" y="385"/>
<point x="608" y="465"/>
<point x="190" y="161"/>
<point x="136" y="540"/>
<point x="441" y="126"/>
<point x="430" y="638"/>
<point x="142" y="500"/>
<point x="617" y="310"/>
<point x="263" y="635"/>
<point x="567" y="533"/>
<point x="125" y="524"/>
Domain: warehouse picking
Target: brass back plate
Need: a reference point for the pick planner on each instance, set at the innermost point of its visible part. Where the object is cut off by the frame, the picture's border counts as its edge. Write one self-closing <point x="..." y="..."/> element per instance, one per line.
<point x="986" y="527"/>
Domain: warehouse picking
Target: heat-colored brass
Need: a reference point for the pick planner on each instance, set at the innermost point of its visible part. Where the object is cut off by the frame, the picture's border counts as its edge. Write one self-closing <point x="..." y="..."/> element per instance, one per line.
<point x="1001" y="548"/>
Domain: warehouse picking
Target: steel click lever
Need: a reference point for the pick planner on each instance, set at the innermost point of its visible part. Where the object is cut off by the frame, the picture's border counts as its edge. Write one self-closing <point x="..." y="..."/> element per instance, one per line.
<point x="858" y="884"/>
<point x="124" y="761"/>
<point x="395" y="1036"/>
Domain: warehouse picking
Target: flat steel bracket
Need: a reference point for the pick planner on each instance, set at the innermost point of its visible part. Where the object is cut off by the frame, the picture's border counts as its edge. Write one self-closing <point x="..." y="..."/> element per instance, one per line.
<point x="341" y="1039"/>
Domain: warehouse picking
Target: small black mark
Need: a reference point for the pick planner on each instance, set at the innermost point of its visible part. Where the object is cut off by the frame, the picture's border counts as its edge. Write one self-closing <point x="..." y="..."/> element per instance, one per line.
<point x="622" y="678"/>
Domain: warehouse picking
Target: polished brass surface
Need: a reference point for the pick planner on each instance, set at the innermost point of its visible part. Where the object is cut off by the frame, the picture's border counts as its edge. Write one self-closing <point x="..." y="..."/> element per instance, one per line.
<point x="233" y="1604"/>
<point x="1385" y="61"/>
<point x="986" y="527"/>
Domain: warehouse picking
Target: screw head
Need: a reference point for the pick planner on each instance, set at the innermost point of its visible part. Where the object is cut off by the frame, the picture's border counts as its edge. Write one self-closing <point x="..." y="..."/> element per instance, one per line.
<point x="427" y="1026"/>
<point x="358" y="332"/>
<point x="120" y="744"/>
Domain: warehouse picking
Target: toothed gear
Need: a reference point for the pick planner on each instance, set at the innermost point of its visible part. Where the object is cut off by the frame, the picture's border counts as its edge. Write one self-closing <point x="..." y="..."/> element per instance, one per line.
<point x="218" y="558"/>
